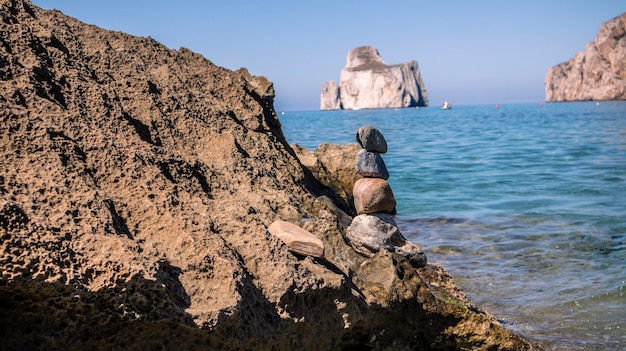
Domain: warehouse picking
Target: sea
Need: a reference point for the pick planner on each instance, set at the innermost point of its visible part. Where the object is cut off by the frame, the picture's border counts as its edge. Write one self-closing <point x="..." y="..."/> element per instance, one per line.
<point x="523" y="204"/>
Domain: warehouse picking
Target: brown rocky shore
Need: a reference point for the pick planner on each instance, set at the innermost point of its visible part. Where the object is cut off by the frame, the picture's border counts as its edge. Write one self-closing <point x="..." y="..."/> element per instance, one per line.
<point x="137" y="186"/>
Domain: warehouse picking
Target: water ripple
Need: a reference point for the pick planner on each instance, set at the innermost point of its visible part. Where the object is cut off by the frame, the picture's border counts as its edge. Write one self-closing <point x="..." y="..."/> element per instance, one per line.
<point x="524" y="206"/>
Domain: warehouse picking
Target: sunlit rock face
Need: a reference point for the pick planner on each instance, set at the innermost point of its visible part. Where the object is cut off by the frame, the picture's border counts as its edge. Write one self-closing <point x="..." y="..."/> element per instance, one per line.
<point x="597" y="73"/>
<point x="138" y="188"/>
<point x="368" y="82"/>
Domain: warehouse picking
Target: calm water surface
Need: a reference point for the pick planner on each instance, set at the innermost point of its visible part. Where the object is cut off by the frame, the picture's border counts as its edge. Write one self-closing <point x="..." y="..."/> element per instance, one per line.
<point x="524" y="205"/>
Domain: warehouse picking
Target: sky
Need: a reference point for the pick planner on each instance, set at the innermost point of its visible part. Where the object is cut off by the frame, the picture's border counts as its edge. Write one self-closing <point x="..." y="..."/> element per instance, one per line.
<point x="468" y="52"/>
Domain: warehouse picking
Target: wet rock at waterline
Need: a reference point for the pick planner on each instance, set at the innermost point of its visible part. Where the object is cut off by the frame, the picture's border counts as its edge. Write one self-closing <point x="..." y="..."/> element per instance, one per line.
<point x="413" y="253"/>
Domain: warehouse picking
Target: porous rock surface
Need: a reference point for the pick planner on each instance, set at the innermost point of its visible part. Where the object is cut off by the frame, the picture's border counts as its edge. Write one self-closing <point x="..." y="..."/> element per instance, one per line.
<point x="137" y="184"/>
<point x="368" y="82"/>
<point x="333" y="166"/>
<point x="597" y="73"/>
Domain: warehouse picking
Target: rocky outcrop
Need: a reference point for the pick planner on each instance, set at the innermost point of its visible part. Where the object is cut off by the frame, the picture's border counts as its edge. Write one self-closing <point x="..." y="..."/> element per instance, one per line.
<point x="137" y="187"/>
<point x="597" y="73"/>
<point x="368" y="82"/>
<point x="330" y="98"/>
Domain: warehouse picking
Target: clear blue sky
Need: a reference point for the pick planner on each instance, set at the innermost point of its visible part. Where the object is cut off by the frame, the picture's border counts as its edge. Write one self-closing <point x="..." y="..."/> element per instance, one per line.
<point x="469" y="52"/>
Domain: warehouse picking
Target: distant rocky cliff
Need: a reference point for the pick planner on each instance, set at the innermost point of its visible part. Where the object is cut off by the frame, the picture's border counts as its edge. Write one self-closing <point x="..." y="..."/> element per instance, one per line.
<point x="368" y="82"/>
<point x="137" y="186"/>
<point x="597" y="73"/>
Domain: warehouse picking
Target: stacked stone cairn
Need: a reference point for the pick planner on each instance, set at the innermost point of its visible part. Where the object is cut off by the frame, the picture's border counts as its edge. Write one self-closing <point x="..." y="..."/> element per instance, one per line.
<point x="374" y="227"/>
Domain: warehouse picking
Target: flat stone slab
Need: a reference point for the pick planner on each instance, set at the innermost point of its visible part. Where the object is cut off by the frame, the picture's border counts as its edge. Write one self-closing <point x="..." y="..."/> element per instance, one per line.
<point x="298" y="240"/>
<point x="373" y="195"/>
<point x="370" y="164"/>
<point x="371" y="139"/>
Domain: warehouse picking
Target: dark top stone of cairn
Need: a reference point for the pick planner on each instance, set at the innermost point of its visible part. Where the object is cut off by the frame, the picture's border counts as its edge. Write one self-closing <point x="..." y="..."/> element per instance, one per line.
<point x="371" y="139"/>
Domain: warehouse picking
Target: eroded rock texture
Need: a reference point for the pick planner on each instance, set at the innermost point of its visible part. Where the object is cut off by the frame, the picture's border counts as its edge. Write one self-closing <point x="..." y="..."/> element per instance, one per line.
<point x="137" y="184"/>
<point x="597" y="73"/>
<point x="368" y="82"/>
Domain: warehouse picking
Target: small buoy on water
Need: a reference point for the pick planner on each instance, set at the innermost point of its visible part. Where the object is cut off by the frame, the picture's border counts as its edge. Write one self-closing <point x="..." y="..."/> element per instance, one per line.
<point x="540" y="104"/>
<point x="497" y="106"/>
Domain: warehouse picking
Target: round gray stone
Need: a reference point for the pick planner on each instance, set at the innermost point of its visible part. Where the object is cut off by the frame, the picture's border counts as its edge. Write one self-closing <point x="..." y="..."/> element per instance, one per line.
<point x="371" y="139"/>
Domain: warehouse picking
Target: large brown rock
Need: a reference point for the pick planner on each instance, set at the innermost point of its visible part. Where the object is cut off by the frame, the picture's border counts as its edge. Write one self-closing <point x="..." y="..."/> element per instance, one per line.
<point x="298" y="240"/>
<point x="597" y="73"/>
<point x="333" y="165"/>
<point x="137" y="184"/>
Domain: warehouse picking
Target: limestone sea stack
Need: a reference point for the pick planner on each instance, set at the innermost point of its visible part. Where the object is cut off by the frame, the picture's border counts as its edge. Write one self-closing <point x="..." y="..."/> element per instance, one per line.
<point x="597" y="73"/>
<point x="368" y="82"/>
<point x="374" y="228"/>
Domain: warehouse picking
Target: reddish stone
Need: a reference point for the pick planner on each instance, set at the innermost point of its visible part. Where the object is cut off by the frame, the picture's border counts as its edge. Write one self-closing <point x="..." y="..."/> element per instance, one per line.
<point x="373" y="195"/>
<point x="297" y="239"/>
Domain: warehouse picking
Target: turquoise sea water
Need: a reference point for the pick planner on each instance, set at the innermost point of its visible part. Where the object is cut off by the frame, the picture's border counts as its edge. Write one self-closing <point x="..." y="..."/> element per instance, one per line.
<point x="524" y="205"/>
